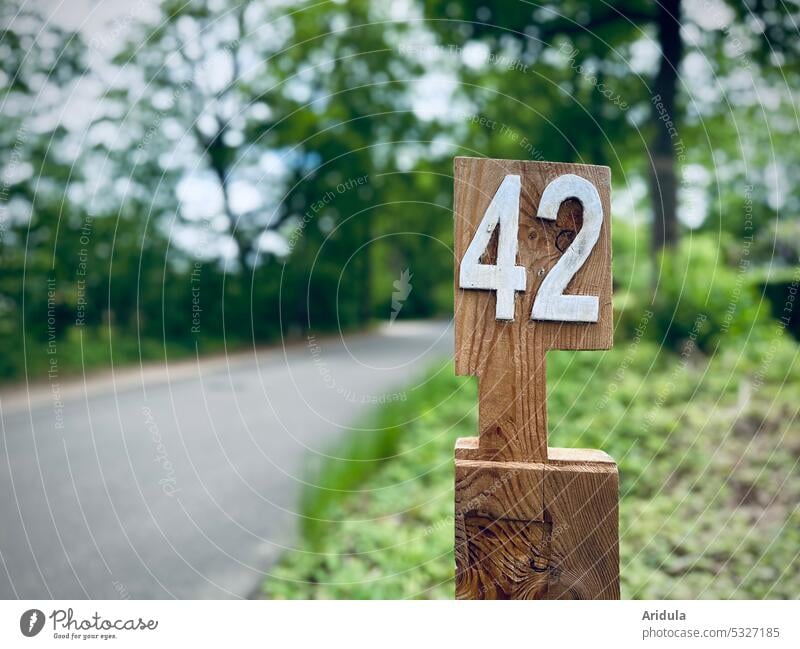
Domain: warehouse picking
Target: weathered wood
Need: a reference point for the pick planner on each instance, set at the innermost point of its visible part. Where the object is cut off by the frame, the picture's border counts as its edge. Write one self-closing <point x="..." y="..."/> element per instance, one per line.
<point x="531" y="522"/>
<point x="509" y="356"/>
<point x="536" y="530"/>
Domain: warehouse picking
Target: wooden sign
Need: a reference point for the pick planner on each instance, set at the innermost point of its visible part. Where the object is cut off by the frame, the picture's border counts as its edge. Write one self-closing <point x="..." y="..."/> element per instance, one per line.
<point x="533" y="273"/>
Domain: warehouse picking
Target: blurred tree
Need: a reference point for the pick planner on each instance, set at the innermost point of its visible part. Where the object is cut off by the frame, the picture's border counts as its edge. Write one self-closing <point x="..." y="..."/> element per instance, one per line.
<point x="598" y="46"/>
<point x="283" y="169"/>
<point x="40" y="61"/>
<point x="260" y="136"/>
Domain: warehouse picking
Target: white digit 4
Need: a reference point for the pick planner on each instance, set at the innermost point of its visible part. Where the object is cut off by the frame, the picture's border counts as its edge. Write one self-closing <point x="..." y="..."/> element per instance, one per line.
<point x="550" y="302"/>
<point x="504" y="276"/>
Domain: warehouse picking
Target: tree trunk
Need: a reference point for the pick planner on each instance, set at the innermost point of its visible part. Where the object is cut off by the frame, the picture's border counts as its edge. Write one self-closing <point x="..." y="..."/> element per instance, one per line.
<point x="667" y="146"/>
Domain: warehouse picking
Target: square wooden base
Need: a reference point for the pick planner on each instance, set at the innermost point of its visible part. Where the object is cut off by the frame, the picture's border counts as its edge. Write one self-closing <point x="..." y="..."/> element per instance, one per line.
<point x="530" y="530"/>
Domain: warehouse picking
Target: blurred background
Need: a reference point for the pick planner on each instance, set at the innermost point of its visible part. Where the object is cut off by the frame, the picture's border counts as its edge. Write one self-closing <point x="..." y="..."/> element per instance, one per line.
<point x="183" y="180"/>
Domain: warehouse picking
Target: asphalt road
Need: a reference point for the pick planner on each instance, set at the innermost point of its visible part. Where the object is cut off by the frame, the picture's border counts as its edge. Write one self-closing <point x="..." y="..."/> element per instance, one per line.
<point x="182" y="481"/>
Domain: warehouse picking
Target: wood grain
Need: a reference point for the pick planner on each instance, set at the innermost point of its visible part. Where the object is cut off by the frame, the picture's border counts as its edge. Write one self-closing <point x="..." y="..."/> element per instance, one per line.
<point x="536" y="530"/>
<point x="509" y="356"/>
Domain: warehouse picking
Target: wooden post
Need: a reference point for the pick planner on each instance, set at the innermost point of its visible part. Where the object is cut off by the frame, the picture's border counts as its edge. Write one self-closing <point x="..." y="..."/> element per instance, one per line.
<point x="533" y="273"/>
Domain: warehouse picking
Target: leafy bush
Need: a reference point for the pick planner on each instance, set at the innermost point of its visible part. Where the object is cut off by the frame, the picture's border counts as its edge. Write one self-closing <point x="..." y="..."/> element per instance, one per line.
<point x="778" y="244"/>
<point x="699" y="297"/>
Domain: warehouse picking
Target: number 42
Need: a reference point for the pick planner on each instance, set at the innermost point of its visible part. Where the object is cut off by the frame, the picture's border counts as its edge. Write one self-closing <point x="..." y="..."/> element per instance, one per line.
<point x="505" y="277"/>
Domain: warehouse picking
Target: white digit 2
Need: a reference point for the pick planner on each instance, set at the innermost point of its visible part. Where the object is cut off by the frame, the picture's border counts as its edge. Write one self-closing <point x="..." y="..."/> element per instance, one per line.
<point x="550" y="302"/>
<point x="504" y="276"/>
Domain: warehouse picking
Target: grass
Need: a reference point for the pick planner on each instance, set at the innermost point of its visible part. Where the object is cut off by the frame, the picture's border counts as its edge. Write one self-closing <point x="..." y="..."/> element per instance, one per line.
<point x="707" y="447"/>
<point x="93" y="349"/>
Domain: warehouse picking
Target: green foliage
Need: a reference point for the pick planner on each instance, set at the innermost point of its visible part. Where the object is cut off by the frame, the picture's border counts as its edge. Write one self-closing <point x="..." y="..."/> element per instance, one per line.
<point x="700" y="297"/>
<point x="778" y="244"/>
<point x="706" y="448"/>
<point x="90" y="350"/>
<point x="391" y="537"/>
<point x="304" y="104"/>
<point x="309" y="122"/>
